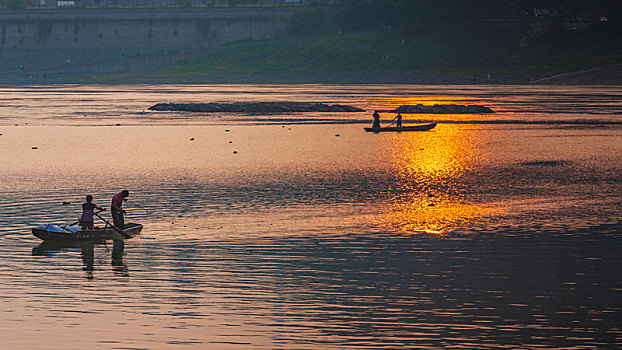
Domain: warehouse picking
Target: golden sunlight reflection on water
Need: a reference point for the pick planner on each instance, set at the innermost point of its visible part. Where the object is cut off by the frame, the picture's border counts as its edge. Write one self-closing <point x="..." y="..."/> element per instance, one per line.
<point x="422" y="99"/>
<point x="428" y="168"/>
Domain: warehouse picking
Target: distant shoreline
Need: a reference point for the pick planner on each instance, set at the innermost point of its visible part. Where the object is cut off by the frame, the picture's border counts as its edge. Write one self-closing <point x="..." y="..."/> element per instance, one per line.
<point x="609" y="75"/>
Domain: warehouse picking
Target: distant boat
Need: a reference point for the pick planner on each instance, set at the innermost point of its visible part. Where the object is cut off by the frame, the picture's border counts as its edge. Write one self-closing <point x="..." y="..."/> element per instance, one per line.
<point x="56" y="233"/>
<point x="421" y="127"/>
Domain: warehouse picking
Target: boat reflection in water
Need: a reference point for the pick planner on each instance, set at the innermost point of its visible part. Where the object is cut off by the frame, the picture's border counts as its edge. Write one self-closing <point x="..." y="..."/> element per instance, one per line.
<point x="87" y="252"/>
<point x="433" y="174"/>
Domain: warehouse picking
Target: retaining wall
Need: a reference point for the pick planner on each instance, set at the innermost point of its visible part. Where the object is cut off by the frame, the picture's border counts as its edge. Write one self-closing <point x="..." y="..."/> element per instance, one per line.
<point x="39" y="44"/>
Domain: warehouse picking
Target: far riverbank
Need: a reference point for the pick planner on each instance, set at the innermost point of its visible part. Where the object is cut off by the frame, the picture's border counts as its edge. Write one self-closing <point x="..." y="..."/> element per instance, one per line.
<point x="375" y="57"/>
<point x="609" y="75"/>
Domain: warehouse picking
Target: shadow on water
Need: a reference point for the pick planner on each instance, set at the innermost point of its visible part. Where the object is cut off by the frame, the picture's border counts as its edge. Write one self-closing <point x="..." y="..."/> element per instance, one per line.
<point x="87" y="252"/>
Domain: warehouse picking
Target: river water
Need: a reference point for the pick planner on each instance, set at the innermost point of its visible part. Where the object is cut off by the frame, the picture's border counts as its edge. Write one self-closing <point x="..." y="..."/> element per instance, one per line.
<point x="301" y="231"/>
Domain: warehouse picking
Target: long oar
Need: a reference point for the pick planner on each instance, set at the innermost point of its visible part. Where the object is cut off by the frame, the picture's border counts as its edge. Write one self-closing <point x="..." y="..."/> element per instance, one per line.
<point x="393" y="121"/>
<point x="123" y="234"/>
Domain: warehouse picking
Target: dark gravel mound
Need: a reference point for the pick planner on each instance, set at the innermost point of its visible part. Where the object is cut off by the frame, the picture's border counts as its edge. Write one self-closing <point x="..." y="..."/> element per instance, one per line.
<point x="443" y="109"/>
<point x="254" y="107"/>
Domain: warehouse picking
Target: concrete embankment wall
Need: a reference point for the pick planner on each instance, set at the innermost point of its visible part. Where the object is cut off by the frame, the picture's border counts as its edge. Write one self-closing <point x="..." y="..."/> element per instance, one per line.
<point x="48" y="45"/>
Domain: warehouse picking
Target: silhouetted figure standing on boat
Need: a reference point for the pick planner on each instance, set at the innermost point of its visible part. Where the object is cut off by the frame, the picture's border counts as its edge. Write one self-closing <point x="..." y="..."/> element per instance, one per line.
<point x="376" y="123"/>
<point x="115" y="208"/>
<point x="398" y="120"/>
<point x="88" y="210"/>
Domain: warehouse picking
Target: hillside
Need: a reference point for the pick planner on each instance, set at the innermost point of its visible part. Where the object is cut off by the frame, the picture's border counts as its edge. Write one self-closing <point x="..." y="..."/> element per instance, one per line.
<point x="366" y="57"/>
<point x="476" y="51"/>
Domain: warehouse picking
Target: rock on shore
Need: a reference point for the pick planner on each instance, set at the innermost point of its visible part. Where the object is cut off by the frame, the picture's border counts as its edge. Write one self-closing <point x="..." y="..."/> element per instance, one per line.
<point x="255" y="107"/>
<point x="443" y="109"/>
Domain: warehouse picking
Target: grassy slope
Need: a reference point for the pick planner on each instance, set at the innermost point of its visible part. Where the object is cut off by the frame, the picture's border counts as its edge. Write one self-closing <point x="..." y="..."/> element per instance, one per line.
<point x="457" y="54"/>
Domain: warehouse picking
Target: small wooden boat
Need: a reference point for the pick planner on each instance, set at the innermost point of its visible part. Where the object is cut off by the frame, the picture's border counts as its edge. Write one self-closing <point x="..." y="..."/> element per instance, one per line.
<point x="51" y="233"/>
<point x="421" y="127"/>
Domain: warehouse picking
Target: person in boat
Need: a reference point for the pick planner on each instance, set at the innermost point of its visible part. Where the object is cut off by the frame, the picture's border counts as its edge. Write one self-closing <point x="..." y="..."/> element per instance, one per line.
<point x="86" y="220"/>
<point x="376" y="123"/>
<point x="115" y="208"/>
<point x="398" y="120"/>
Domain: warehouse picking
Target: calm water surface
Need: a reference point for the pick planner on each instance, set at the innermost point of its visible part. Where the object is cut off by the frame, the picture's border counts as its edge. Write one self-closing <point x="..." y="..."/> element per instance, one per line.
<point x="301" y="231"/>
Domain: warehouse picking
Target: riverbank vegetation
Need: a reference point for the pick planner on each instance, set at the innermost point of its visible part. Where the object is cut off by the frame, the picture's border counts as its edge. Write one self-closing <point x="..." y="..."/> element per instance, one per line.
<point x="427" y="41"/>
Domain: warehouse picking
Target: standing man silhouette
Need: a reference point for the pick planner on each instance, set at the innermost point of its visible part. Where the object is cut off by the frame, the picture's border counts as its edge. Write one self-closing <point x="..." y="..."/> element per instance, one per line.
<point x="115" y="208"/>
<point x="376" y="123"/>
